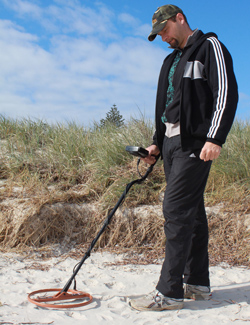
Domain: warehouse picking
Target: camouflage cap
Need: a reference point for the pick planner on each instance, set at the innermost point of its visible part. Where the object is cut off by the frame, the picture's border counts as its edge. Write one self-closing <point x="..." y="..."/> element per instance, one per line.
<point x="161" y="17"/>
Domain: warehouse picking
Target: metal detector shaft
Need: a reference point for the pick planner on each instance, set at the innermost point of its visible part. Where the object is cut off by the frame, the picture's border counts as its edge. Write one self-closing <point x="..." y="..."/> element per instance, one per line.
<point x="106" y="223"/>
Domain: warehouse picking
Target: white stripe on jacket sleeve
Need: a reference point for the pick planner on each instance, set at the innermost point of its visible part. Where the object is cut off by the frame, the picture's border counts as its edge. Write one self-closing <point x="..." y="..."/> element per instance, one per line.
<point x="222" y="87"/>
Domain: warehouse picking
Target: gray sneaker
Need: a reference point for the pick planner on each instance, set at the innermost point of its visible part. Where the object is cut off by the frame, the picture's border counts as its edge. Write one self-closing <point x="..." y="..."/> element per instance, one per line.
<point x="197" y="292"/>
<point x="156" y="302"/>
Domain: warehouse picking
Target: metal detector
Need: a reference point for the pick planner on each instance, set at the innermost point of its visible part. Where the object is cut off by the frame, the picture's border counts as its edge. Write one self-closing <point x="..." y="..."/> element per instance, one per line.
<point x="71" y="298"/>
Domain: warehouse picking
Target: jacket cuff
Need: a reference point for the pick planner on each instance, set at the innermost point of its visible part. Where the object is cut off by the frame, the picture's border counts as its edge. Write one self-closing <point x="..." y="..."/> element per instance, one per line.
<point x="215" y="141"/>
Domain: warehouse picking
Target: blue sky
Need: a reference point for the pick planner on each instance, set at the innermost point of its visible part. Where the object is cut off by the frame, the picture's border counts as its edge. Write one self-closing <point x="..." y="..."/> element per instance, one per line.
<point x="72" y="60"/>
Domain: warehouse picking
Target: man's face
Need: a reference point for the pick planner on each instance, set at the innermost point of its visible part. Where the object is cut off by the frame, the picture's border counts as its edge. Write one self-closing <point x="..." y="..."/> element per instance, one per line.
<point x="173" y="33"/>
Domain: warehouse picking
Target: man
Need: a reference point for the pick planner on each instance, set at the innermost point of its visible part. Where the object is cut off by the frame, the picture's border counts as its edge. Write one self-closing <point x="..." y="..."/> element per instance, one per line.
<point x="195" y="106"/>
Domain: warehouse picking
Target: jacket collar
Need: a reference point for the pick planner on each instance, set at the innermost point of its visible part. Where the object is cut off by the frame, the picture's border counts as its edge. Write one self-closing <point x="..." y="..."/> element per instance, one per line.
<point x="191" y="38"/>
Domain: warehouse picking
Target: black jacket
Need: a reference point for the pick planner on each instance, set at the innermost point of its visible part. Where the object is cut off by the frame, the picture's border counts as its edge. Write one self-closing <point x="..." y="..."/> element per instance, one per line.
<point x="208" y="96"/>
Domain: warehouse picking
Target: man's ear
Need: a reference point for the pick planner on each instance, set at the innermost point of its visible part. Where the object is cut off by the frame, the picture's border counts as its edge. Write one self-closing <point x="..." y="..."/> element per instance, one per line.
<point x="180" y="18"/>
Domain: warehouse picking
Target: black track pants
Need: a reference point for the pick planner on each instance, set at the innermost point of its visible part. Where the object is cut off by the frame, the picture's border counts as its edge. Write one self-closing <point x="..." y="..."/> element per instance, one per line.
<point x="186" y="253"/>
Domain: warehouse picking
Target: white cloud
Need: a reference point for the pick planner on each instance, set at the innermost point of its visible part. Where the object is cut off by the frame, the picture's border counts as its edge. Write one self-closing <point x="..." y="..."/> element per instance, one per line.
<point x="83" y="71"/>
<point x="15" y="34"/>
<point x="129" y="20"/>
<point x="24" y="8"/>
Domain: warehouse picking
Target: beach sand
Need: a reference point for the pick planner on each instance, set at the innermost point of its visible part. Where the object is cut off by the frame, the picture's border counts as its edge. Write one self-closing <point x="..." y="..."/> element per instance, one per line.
<point x="112" y="284"/>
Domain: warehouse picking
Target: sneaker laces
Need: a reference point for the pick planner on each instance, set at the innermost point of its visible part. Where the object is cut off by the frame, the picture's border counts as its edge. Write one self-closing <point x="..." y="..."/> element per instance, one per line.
<point x="159" y="298"/>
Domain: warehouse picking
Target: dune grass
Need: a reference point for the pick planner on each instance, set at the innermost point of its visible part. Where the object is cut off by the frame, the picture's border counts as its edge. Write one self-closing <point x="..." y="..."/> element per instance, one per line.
<point x="70" y="164"/>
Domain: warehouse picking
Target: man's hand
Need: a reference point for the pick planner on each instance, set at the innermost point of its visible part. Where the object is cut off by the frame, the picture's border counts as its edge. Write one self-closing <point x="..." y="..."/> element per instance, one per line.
<point x="153" y="152"/>
<point x="210" y="151"/>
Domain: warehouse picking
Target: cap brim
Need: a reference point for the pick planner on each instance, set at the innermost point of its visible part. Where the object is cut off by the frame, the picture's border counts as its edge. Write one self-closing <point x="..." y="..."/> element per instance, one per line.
<point x="157" y="29"/>
<point x="151" y="37"/>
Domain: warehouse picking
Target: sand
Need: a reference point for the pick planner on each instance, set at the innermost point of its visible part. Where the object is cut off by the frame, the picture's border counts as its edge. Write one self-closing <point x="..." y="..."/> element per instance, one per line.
<point x="112" y="285"/>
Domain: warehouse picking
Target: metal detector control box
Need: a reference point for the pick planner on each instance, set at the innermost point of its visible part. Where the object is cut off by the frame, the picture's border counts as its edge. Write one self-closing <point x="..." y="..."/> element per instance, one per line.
<point x="137" y="151"/>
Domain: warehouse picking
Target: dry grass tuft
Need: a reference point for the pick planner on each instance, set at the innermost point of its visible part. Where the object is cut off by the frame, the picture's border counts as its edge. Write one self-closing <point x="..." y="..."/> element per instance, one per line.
<point x="230" y="234"/>
<point x="135" y="228"/>
<point x="25" y="225"/>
